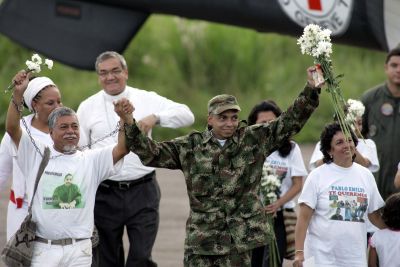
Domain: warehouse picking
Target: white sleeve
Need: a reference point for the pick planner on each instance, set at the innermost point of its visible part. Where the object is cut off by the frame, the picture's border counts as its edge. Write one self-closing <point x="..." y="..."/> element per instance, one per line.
<point x="371" y="154"/>
<point x="171" y="114"/>
<point x="316" y="155"/>
<point x="103" y="162"/>
<point x="27" y="154"/>
<point x="297" y="162"/>
<point x="6" y="162"/>
<point x="375" y="200"/>
<point x="309" y="193"/>
<point x="83" y="131"/>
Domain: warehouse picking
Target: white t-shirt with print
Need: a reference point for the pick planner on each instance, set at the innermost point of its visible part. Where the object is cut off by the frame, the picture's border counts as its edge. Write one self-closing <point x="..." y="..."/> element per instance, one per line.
<point x="8" y="154"/>
<point x="286" y="168"/>
<point x="87" y="168"/>
<point x="341" y="199"/>
<point x="387" y="245"/>
<point x="366" y="147"/>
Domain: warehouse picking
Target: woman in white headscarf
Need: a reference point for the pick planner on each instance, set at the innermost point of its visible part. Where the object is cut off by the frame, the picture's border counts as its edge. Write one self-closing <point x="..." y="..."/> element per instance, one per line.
<point x="41" y="97"/>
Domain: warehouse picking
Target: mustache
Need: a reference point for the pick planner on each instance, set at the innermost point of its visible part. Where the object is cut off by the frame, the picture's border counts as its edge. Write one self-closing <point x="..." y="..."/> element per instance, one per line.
<point x="70" y="136"/>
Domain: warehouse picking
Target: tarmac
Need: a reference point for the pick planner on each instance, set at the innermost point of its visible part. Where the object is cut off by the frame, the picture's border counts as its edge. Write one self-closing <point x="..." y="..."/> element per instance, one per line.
<point x="174" y="210"/>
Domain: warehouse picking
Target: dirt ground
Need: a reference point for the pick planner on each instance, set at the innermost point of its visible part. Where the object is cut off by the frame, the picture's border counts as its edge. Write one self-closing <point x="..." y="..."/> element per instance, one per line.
<point x="174" y="210"/>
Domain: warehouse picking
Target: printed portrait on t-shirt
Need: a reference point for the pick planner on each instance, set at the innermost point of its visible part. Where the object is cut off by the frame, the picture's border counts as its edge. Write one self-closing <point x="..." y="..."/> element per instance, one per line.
<point x="347" y="203"/>
<point x="280" y="168"/>
<point x="61" y="191"/>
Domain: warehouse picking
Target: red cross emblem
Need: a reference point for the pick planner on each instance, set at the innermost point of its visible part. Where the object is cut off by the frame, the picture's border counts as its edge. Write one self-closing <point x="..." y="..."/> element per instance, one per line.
<point x="315" y="5"/>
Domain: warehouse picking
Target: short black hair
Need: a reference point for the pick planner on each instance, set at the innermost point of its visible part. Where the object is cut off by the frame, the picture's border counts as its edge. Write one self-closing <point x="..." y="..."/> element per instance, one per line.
<point x="326" y="138"/>
<point x="391" y="211"/>
<point x="393" y="52"/>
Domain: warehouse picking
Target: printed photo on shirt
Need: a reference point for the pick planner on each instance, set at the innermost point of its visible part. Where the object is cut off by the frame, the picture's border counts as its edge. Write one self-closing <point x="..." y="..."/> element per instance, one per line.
<point x="61" y="191"/>
<point x="280" y="168"/>
<point x="347" y="203"/>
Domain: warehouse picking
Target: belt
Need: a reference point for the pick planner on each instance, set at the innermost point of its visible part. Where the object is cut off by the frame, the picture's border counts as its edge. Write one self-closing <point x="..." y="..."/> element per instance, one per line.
<point x="125" y="185"/>
<point x="60" y="242"/>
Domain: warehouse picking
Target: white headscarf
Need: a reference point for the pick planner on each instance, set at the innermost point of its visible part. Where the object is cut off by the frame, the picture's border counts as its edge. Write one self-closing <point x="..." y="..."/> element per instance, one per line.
<point x="34" y="87"/>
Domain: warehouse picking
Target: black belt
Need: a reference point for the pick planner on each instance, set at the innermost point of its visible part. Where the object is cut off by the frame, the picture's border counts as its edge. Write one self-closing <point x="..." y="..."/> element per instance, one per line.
<point x="60" y="242"/>
<point x="125" y="185"/>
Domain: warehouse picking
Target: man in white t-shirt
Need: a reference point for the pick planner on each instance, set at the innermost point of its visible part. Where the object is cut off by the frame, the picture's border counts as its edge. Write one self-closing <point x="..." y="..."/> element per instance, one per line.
<point x="63" y="235"/>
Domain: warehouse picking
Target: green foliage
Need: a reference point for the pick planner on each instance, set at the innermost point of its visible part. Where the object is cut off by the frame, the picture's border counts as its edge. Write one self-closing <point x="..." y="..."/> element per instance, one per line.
<point x="191" y="61"/>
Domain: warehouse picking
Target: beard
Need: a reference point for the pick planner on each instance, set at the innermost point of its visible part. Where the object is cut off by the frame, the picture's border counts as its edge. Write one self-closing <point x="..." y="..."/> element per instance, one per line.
<point x="69" y="149"/>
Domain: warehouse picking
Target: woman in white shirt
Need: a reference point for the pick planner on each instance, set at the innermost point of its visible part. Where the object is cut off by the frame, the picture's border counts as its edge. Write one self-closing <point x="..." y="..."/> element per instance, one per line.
<point x="41" y="98"/>
<point x="288" y="164"/>
<point x="333" y="206"/>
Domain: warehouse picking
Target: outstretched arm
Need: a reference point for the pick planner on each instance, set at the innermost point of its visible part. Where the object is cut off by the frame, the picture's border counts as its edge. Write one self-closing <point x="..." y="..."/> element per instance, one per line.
<point x="124" y="109"/>
<point x="13" y="128"/>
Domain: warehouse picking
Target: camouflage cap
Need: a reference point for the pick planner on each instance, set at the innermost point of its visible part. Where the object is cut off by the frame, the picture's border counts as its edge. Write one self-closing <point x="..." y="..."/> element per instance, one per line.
<point x="221" y="103"/>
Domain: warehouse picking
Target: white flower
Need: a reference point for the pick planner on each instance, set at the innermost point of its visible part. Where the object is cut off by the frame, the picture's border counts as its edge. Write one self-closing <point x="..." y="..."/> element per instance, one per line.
<point x="355" y="109"/>
<point x="315" y="41"/>
<point x="33" y="66"/>
<point x="37" y="59"/>
<point x="48" y="63"/>
<point x="270" y="184"/>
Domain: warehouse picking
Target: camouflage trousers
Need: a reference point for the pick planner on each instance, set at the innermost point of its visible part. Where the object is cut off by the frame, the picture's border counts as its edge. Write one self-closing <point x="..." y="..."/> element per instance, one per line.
<point x="233" y="259"/>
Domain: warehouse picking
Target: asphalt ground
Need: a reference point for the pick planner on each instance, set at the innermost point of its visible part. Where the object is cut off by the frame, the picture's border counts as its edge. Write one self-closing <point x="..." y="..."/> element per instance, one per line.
<point x="174" y="210"/>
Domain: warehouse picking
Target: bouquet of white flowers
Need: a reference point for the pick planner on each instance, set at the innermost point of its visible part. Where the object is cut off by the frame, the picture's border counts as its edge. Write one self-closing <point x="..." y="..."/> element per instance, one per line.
<point x="270" y="188"/>
<point x="270" y="185"/>
<point x="316" y="42"/>
<point x="33" y="65"/>
<point x="355" y="109"/>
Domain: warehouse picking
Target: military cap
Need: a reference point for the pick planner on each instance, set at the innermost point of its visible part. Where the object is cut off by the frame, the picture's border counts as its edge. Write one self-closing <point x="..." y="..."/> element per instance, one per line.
<point x="221" y="103"/>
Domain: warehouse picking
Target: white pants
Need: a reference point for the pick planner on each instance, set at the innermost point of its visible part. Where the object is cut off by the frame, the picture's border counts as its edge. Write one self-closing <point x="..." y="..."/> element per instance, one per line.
<point x="76" y="254"/>
<point x="15" y="217"/>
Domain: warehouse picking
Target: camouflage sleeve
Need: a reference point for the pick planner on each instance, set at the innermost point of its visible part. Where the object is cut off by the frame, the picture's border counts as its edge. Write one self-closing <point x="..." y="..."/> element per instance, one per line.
<point x="150" y="152"/>
<point x="289" y="122"/>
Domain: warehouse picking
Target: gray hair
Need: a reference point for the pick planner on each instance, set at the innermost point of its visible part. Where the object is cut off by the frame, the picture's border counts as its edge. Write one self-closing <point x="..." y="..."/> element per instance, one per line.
<point x="110" y="54"/>
<point x="57" y="113"/>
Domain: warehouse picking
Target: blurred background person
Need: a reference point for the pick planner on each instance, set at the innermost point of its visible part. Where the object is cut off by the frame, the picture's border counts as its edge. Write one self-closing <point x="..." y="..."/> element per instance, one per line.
<point x="381" y="122"/>
<point x="288" y="164"/>
<point x="397" y="177"/>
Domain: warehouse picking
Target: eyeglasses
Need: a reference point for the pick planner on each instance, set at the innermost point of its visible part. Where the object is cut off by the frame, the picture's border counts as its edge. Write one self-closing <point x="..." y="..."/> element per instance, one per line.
<point x="113" y="72"/>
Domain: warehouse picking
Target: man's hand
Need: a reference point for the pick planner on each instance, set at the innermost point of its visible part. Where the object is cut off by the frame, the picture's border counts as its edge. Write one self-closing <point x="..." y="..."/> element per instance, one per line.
<point x="147" y="123"/>
<point x="124" y="109"/>
<point x="315" y="77"/>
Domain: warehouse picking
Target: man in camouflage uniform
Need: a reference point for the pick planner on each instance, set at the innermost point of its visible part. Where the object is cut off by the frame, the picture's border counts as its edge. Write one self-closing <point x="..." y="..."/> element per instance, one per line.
<point x="222" y="168"/>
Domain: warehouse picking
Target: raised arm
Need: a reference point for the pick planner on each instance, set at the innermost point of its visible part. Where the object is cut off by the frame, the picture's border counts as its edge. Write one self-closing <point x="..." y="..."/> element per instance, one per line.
<point x="124" y="109"/>
<point x="293" y="119"/>
<point x="13" y="127"/>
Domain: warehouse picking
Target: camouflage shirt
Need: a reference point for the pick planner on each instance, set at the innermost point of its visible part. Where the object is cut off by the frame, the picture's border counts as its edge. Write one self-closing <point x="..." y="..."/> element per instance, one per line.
<point x="223" y="182"/>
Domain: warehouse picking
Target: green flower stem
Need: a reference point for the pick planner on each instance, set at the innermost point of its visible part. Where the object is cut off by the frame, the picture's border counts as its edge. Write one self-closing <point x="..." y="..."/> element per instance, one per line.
<point x="12" y="85"/>
<point x="273" y="246"/>
<point x="337" y="98"/>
